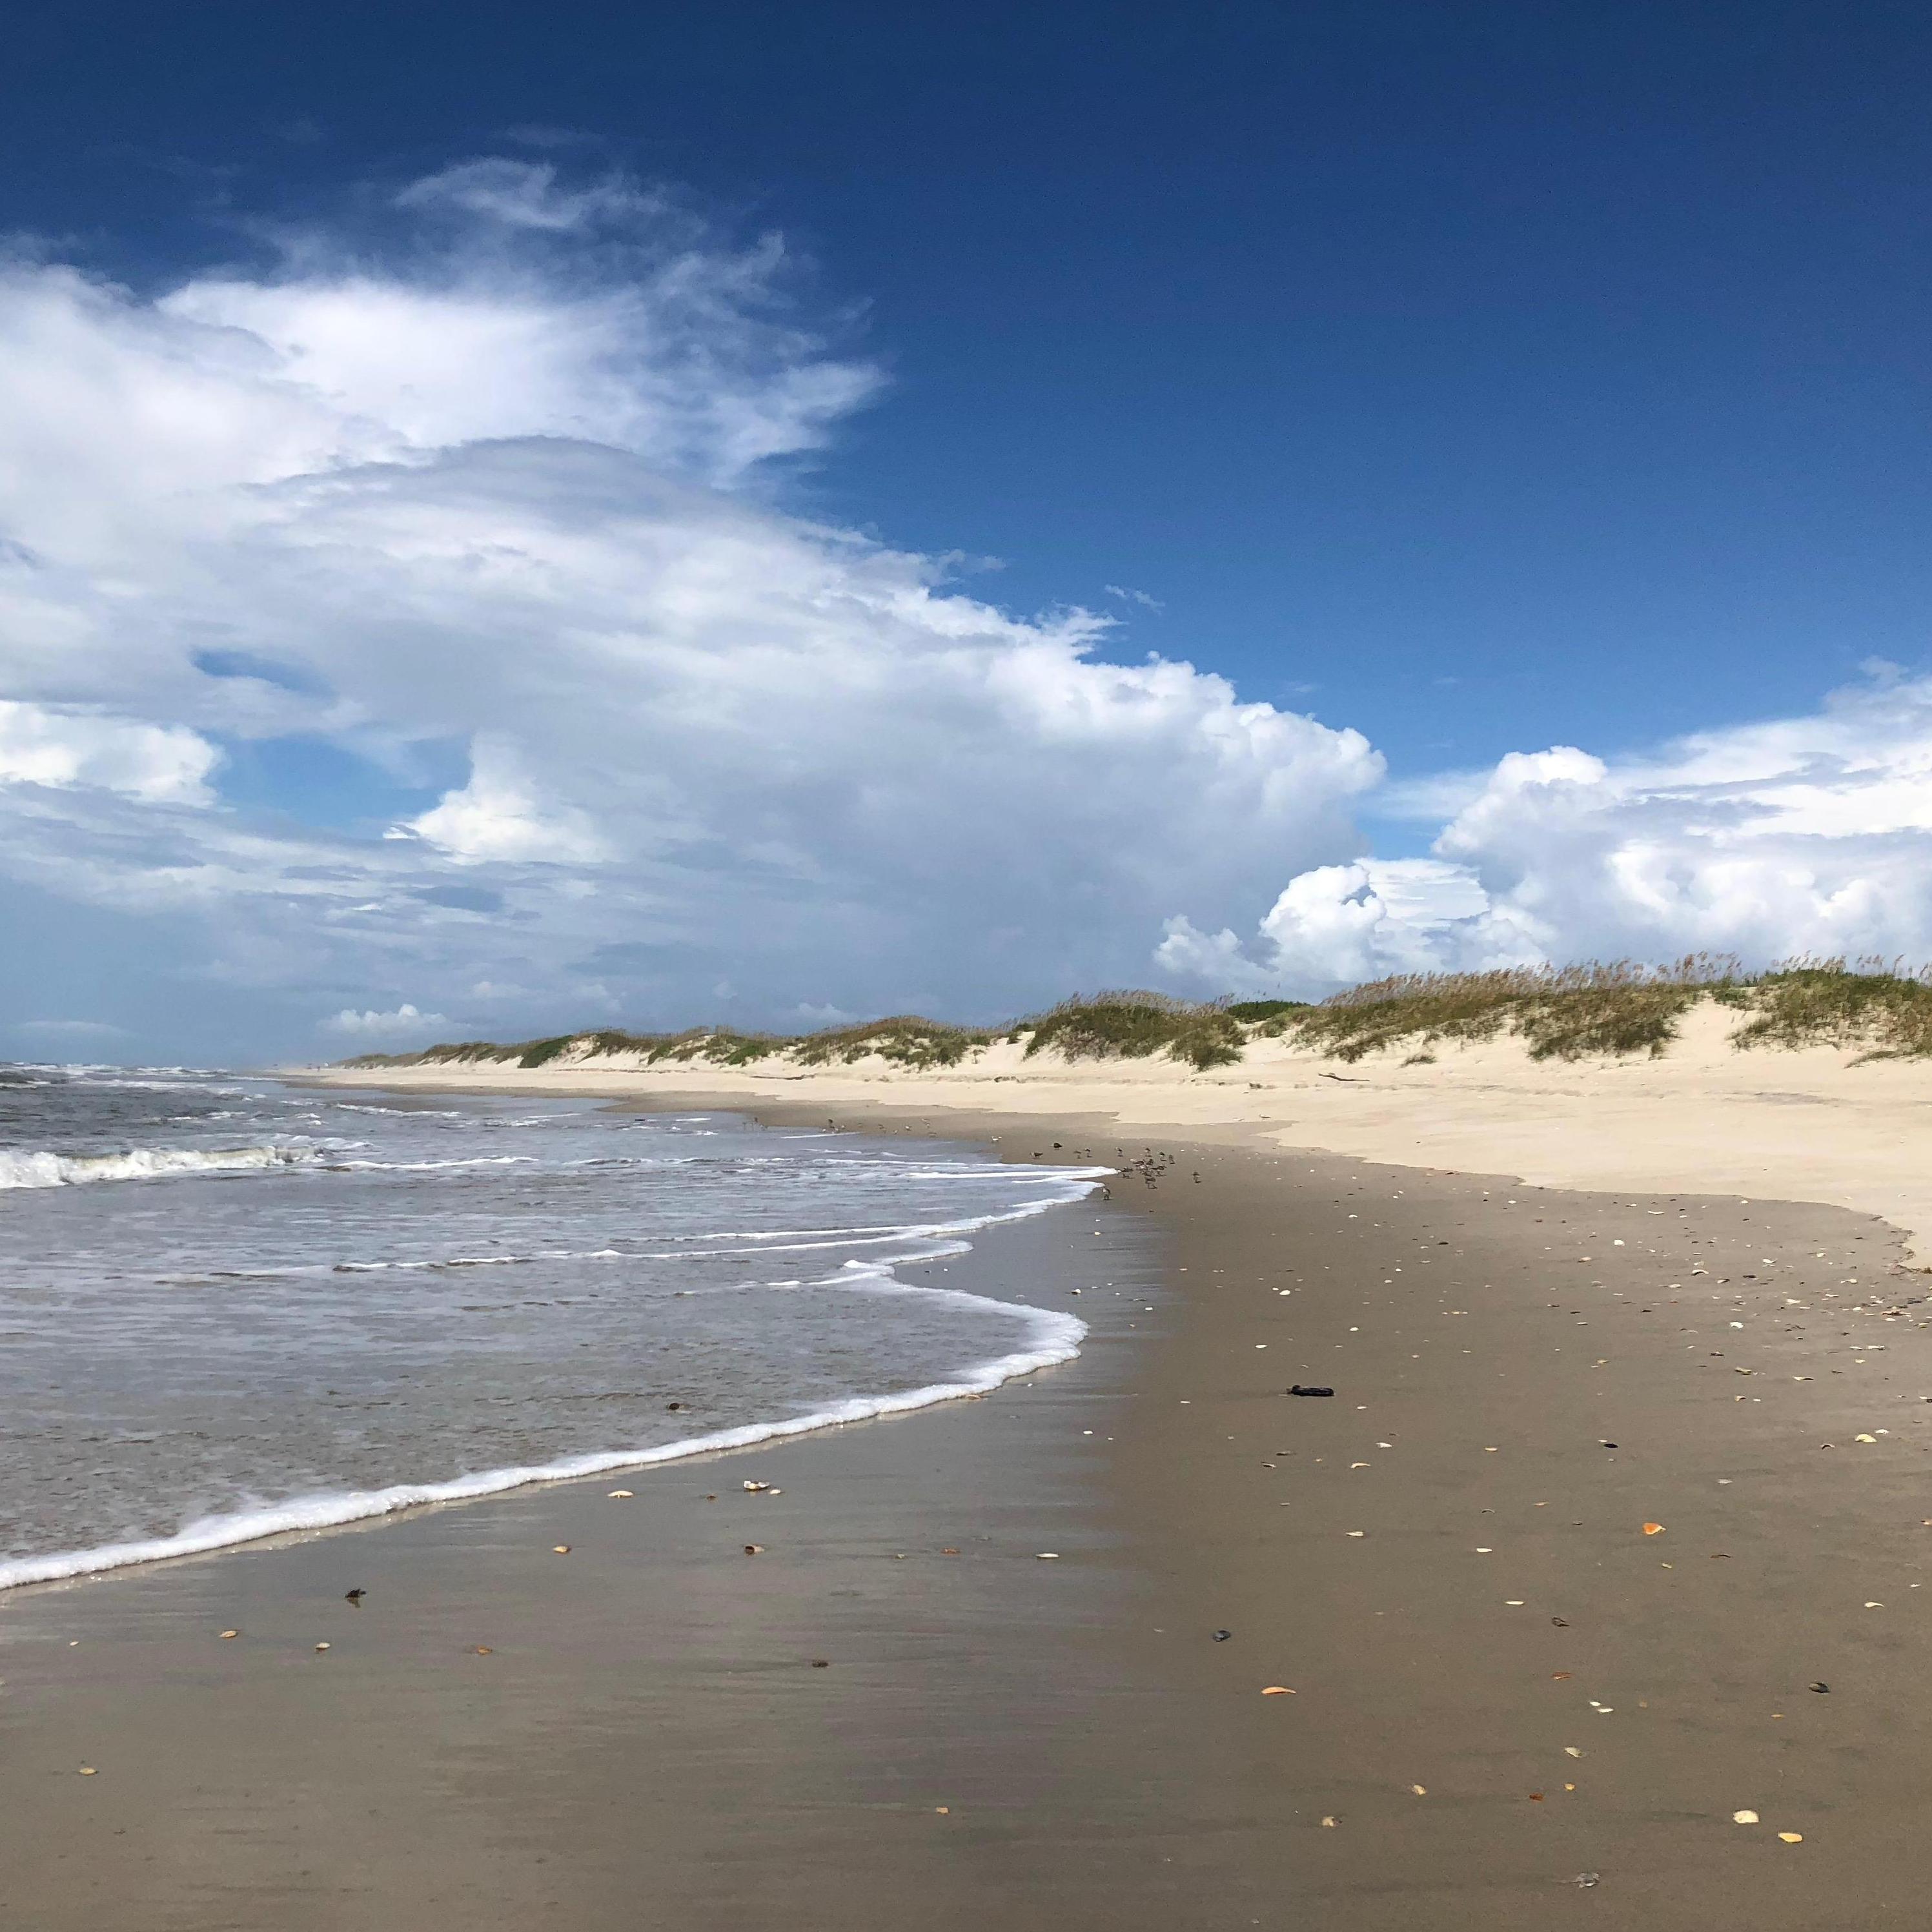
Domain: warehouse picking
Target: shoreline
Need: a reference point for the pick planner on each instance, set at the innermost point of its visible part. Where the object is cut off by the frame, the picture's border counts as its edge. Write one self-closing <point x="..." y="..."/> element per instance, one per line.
<point x="1053" y="1338"/>
<point x="1819" y="1124"/>
<point x="1445" y="1563"/>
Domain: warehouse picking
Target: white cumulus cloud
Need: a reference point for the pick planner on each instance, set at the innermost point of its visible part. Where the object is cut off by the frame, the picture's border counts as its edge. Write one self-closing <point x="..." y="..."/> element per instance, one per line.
<point x="405" y="1023"/>
<point x="1336" y="925"/>
<point x="1800" y="835"/>
<point x="47" y="745"/>
<point x="501" y="494"/>
<point x="499" y="814"/>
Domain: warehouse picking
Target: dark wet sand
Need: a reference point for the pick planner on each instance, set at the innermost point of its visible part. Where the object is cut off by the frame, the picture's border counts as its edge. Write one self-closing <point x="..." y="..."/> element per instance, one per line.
<point x="648" y="1743"/>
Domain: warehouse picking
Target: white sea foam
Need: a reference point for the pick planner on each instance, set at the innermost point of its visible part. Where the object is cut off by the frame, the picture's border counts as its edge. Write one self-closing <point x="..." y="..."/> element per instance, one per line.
<point x="922" y="1240"/>
<point x="276" y="1502"/>
<point x="112" y="1078"/>
<point x="402" y="1113"/>
<point x="41" y="1168"/>
<point x="432" y="1166"/>
<point x="1052" y="1339"/>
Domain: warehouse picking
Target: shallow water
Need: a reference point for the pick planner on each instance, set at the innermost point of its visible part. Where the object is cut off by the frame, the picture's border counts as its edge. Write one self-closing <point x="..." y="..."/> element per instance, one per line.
<point x="228" y="1306"/>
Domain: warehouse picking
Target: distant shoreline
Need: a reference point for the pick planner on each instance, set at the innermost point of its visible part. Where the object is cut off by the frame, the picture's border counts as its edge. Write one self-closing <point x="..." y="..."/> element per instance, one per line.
<point x="1824" y="1123"/>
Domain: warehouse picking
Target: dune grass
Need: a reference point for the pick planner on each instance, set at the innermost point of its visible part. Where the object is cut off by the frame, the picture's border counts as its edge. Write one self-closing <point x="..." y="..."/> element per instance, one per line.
<point x="1617" y="1008"/>
<point x="1252" y="1011"/>
<point x="1881" y="1006"/>
<point x="904" y="1040"/>
<point x="1559" y="1012"/>
<point x="719" y="1045"/>
<point x="1622" y="1006"/>
<point x="1134" y="1026"/>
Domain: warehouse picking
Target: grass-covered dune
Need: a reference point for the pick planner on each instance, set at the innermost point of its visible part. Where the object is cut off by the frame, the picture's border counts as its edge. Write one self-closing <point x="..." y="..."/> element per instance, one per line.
<point x="1875" y="1008"/>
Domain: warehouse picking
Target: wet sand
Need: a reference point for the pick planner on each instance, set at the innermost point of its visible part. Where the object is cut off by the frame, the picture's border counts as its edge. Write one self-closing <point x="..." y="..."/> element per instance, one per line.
<point x="648" y="1740"/>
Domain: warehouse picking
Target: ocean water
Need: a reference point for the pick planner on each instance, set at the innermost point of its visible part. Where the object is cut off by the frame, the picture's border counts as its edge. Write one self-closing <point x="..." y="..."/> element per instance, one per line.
<point x="229" y="1306"/>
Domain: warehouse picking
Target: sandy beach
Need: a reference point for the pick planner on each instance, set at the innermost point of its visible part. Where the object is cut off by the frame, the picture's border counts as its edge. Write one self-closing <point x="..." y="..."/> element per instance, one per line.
<point x="1612" y="1531"/>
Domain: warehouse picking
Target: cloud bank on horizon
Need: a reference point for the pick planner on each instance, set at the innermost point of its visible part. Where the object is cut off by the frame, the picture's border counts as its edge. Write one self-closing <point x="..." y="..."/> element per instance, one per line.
<point x="492" y="523"/>
<point x="1808" y="836"/>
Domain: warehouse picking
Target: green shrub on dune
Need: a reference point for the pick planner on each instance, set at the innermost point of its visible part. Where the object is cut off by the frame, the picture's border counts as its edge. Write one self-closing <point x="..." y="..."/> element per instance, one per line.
<point x="1252" y="1011"/>
<point x="1134" y="1026"/>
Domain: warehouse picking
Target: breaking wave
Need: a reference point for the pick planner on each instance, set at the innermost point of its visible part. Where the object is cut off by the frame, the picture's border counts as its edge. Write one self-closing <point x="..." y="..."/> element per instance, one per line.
<point x="1050" y="1339"/>
<point x="43" y="1169"/>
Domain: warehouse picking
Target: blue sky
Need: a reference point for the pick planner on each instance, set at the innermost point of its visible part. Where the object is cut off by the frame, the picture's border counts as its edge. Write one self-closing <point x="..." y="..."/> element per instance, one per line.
<point x="1478" y="380"/>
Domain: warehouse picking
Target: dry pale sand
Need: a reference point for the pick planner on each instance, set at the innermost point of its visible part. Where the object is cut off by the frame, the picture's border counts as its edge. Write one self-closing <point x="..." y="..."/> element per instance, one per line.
<point x="1609" y="1481"/>
<point x="1811" y="1124"/>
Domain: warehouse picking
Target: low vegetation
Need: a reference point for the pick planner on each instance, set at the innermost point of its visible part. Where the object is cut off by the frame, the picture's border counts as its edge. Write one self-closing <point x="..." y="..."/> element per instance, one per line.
<point x="905" y="1040"/>
<point x="1880" y="1009"/>
<point x="1134" y="1026"/>
<point x="1252" y="1011"/>
<point x="1876" y="1004"/>
<point x="1559" y="1012"/>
